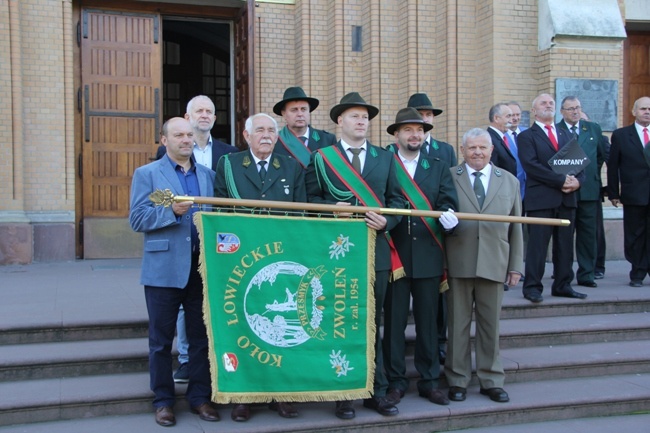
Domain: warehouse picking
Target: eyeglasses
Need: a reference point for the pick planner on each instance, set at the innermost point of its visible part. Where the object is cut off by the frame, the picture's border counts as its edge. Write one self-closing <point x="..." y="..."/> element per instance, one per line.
<point x="572" y="109"/>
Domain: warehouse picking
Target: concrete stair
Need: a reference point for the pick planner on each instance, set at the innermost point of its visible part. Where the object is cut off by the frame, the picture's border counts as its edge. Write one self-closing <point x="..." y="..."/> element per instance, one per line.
<point x="565" y="360"/>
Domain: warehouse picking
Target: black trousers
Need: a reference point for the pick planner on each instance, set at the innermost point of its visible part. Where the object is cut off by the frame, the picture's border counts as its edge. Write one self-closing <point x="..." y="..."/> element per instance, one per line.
<point x="539" y="237"/>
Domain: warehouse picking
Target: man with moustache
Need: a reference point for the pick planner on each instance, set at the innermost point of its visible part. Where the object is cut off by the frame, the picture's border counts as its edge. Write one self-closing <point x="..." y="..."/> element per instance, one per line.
<point x="548" y="195"/>
<point x="170" y="269"/>
<point x="628" y="180"/>
<point x="298" y="138"/>
<point x="589" y="137"/>
<point x="481" y="256"/>
<point x="260" y="174"/>
<point x="330" y="172"/>
<point x="427" y="185"/>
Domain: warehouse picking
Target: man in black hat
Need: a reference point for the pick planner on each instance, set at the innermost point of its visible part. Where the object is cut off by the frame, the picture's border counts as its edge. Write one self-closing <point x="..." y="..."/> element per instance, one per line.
<point x="431" y="146"/>
<point x="298" y="139"/>
<point x="354" y="158"/>
<point x="445" y="152"/>
<point x="427" y="184"/>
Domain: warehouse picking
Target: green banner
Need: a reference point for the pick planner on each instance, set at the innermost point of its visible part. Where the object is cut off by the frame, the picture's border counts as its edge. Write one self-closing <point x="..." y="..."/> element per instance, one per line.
<point x="288" y="306"/>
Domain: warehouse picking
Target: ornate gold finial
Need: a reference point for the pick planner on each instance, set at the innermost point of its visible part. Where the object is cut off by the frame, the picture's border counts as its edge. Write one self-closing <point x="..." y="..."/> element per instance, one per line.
<point x="162" y="197"/>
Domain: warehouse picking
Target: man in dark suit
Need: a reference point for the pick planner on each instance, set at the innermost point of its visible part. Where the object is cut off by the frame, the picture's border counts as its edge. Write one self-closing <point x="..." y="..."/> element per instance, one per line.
<point x="207" y="150"/>
<point x="481" y="256"/>
<point x="170" y="269"/>
<point x="427" y="184"/>
<point x="628" y="180"/>
<point x="373" y="169"/>
<point x="260" y="174"/>
<point x="504" y="154"/>
<point x="589" y="137"/>
<point x="548" y="195"/>
<point x="444" y="152"/>
<point x="298" y="138"/>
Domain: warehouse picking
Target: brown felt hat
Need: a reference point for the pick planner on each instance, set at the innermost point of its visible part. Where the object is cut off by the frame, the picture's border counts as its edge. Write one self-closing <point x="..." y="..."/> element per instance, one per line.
<point x="352" y="100"/>
<point x="407" y="116"/>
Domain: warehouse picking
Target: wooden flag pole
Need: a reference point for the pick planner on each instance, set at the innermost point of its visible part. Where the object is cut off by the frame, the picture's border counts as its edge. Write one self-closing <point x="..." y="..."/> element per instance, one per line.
<point x="166" y="198"/>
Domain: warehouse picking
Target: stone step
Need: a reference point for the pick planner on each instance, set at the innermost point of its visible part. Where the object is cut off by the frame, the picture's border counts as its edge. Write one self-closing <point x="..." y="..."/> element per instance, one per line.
<point x="560" y="330"/>
<point x="71" y="359"/>
<point x="47" y="332"/>
<point x="122" y="395"/>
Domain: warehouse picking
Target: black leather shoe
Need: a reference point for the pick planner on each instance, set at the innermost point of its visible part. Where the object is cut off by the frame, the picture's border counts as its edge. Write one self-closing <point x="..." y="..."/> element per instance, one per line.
<point x="285" y="409"/>
<point x="496" y="394"/>
<point x="240" y="413"/>
<point x="394" y="395"/>
<point x="456" y="393"/>
<point x="587" y="284"/>
<point x="435" y="396"/>
<point x="165" y="416"/>
<point x="599" y="275"/>
<point x="344" y="409"/>
<point x="636" y="283"/>
<point x="570" y="294"/>
<point x="207" y="412"/>
<point x="382" y="405"/>
<point x="535" y="298"/>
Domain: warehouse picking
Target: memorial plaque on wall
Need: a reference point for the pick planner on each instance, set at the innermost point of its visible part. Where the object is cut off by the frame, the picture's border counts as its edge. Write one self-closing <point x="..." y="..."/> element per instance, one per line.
<point x="598" y="99"/>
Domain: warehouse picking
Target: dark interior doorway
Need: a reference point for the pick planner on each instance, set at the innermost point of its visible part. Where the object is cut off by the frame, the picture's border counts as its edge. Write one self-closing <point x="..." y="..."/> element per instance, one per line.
<point x="197" y="61"/>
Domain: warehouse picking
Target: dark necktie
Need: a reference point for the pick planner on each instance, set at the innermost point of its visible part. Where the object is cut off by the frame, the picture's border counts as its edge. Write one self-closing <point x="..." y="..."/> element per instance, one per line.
<point x="427" y="147"/>
<point x="478" y="188"/>
<point x="262" y="170"/>
<point x="303" y="139"/>
<point x="356" y="162"/>
<point x="514" y="135"/>
<point x="551" y="137"/>
<point x="574" y="132"/>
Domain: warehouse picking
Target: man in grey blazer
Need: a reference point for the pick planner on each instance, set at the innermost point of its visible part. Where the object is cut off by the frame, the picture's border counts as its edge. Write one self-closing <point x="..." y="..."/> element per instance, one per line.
<point x="481" y="256"/>
<point x="170" y="269"/>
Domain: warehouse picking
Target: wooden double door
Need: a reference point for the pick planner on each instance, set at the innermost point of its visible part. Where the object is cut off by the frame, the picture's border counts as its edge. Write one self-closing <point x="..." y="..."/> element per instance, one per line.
<point x="121" y="94"/>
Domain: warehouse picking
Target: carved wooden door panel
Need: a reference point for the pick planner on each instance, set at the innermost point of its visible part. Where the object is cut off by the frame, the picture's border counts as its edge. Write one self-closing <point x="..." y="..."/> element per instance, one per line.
<point x="637" y="72"/>
<point x="244" y="76"/>
<point x="121" y="80"/>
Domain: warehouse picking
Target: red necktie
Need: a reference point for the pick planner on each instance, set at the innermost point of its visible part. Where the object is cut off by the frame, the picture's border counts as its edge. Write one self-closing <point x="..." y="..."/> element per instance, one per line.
<point x="505" y="141"/>
<point x="646" y="137"/>
<point x="551" y="137"/>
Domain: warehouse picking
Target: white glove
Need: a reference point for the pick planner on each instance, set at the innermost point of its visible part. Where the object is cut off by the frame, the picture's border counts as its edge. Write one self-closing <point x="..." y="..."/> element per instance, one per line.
<point x="448" y="219"/>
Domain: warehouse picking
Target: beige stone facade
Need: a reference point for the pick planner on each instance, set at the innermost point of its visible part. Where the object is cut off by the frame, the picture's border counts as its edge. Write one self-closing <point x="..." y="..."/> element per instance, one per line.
<point x="465" y="54"/>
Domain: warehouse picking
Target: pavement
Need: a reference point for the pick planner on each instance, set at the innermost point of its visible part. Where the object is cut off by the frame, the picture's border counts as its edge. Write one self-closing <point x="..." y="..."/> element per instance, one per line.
<point x="91" y="291"/>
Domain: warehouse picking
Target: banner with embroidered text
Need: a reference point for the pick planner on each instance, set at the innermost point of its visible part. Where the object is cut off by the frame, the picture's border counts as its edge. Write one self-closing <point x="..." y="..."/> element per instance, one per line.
<point x="288" y="306"/>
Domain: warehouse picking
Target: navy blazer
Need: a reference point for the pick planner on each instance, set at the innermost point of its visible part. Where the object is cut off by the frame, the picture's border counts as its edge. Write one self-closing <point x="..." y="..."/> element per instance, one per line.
<point x="379" y="173"/>
<point x="543" y="185"/>
<point x="167" y="238"/>
<point x="627" y="165"/>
